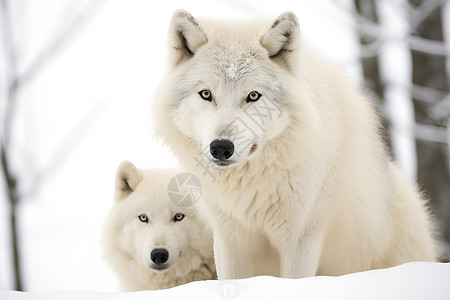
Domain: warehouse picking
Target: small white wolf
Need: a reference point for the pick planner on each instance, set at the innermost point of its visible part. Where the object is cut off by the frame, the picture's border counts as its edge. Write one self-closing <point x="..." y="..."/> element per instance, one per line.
<point x="291" y="151"/>
<point x="151" y="242"/>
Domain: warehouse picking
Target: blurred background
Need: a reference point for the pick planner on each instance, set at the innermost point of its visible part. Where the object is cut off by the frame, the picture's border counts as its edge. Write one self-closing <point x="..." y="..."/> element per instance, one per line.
<point x="77" y="79"/>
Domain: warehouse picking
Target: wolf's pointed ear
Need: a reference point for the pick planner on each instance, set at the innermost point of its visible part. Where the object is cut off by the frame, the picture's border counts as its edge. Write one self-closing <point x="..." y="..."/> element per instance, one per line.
<point x="282" y="38"/>
<point x="128" y="178"/>
<point x="185" y="36"/>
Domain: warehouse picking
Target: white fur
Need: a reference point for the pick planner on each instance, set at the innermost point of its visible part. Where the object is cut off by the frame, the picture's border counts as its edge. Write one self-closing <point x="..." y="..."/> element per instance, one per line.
<point x="319" y="195"/>
<point x="128" y="242"/>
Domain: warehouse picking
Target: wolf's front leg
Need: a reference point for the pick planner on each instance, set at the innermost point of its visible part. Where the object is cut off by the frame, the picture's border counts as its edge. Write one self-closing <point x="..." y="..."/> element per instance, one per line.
<point x="231" y="262"/>
<point x="301" y="258"/>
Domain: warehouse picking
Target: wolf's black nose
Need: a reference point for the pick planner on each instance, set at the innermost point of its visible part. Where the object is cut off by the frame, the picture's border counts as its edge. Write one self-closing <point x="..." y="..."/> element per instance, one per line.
<point x="221" y="149"/>
<point x="159" y="256"/>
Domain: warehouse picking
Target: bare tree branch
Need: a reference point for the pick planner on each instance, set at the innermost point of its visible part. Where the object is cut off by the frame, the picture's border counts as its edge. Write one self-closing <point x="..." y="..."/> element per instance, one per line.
<point x="427" y="94"/>
<point x="431" y="133"/>
<point x="363" y="25"/>
<point x="10" y="181"/>
<point x="14" y="82"/>
<point x="11" y="96"/>
<point x="372" y="49"/>
<point x="9" y="46"/>
<point x="441" y="110"/>
<point x="422" y="12"/>
<point x="427" y="46"/>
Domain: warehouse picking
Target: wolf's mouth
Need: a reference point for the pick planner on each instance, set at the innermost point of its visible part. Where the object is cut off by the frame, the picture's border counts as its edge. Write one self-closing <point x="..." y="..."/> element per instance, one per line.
<point x="222" y="163"/>
<point x="159" y="268"/>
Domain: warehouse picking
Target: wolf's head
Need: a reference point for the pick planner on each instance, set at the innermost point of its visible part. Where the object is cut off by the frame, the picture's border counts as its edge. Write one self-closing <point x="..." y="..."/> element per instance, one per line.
<point x="148" y="229"/>
<point x="228" y="85"/>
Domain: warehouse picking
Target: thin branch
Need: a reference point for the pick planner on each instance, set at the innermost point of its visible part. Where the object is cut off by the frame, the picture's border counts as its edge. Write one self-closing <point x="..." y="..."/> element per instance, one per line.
<point x="427" y="46"/>
<point x="427" y="94"/>
<point x="441" y="110"/>
<point x="10" y="97"/>
<point x="366" y="27"/>
<point x="422" y="12"/>
<point x="424" y="132"/>
<point x="11" y="187"/>
<point x="431" y="133"/>
<point x="363" y="25"/>
<point x="372" y="49"/>
<point x="10" y="70"/>
<point x="14" y="82"/>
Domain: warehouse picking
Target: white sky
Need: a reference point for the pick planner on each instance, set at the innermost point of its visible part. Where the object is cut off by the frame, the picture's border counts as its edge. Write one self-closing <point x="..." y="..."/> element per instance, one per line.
<point x="106" y="74"/>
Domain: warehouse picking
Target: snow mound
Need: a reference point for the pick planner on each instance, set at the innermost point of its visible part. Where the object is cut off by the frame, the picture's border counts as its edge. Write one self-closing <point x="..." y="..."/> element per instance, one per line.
<point x="409" y="281"/>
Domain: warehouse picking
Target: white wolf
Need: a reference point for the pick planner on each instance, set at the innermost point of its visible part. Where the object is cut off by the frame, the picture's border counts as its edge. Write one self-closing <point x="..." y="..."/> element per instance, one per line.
<point x="291" y="151"/>
<point x="151" y="242"/>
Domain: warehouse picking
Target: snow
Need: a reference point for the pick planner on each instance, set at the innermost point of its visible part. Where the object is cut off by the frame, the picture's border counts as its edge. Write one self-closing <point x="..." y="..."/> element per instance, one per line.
<point x="409" y="281"/>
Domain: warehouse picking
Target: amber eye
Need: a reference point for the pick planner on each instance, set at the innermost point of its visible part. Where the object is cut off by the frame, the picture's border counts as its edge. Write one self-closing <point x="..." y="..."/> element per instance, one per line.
<point x="206" y="95"/>
<point x="253" y="96"/>
<point x="178" y="217"/>
<point x="143" y="218"/>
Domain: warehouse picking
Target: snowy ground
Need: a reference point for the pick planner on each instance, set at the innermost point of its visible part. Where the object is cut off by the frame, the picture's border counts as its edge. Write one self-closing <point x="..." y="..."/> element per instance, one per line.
<point x="410" y="281"/>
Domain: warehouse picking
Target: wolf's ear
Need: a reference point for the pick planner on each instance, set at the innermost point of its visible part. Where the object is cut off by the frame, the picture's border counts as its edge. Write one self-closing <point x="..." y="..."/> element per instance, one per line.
<point x="128" y="178"/>
<point x="185" y="36"/>
<point x="282" y="38"/>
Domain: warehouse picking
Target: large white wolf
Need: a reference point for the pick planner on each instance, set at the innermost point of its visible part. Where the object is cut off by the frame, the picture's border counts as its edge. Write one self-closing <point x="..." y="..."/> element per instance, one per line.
<point x="151" y="242"/>
<point x="291" y="151"/>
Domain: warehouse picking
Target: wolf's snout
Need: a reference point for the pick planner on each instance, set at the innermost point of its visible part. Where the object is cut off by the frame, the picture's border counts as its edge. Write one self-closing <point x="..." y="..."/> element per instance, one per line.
<point x="221" y="149"/>
<point x="159" y="256"/>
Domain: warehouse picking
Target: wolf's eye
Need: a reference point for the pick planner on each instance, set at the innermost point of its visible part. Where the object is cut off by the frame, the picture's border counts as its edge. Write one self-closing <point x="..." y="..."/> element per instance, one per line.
<point x="253" y="96"/>
<point x="178" y="217"/>
<point x="206" y="95"/>
<point x="143" y="218"/>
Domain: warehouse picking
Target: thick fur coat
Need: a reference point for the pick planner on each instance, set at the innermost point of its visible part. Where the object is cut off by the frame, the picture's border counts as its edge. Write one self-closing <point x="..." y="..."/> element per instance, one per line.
<point x="307" y="187"/>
